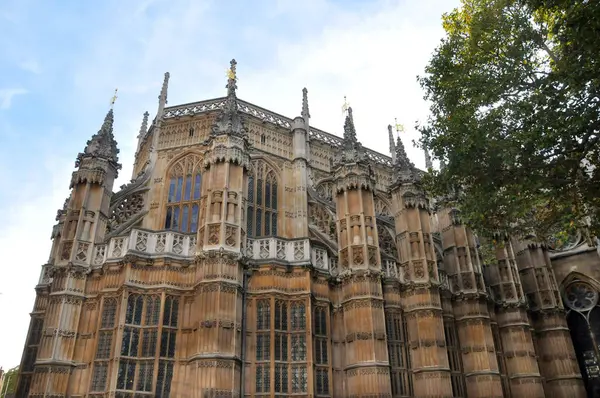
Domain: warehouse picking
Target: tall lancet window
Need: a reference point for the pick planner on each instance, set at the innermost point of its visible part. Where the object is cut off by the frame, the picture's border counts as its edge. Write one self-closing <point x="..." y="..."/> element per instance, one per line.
<point x="183" y="195"/>
<point x="262" y="201"/>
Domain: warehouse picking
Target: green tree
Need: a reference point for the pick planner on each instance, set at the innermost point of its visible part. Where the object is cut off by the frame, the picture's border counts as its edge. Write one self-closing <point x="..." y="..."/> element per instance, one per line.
<point x="10" y="382"/>
<point x="515" y="114"/>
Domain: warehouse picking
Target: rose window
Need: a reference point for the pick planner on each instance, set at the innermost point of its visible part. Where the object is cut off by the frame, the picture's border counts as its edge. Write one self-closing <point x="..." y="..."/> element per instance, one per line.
<point x="580" y="296"/>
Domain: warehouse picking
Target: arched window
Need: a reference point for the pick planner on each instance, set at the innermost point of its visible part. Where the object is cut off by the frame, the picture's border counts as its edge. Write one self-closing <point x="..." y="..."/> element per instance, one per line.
<point x="262" y="202"/>
<point x="183" y="200"/>
<point x="583" y="318"/>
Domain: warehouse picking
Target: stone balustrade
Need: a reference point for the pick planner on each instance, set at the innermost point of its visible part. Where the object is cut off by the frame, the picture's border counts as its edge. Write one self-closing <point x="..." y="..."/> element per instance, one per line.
<point x="177" y="245"/>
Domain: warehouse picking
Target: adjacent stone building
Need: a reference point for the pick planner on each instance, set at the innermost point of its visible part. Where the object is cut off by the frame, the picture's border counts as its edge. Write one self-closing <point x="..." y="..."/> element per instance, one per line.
<point x="254" y="255"/>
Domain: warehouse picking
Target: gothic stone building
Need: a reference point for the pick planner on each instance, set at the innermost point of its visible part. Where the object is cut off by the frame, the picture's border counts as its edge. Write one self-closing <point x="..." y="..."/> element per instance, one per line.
<point x="253" y="255"/>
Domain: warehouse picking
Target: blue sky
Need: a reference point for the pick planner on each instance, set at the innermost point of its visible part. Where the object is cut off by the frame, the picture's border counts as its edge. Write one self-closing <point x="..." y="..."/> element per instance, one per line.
<point x="61" y="61"/>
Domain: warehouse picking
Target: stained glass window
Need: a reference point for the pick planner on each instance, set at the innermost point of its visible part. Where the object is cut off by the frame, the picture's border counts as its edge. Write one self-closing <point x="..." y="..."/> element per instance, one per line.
<point x="262" y="202"/>
<point x="183" y="200"/>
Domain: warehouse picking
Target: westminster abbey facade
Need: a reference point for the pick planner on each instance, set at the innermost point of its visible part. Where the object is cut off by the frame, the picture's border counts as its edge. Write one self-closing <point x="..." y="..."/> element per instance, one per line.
<point x="253" y="255"/>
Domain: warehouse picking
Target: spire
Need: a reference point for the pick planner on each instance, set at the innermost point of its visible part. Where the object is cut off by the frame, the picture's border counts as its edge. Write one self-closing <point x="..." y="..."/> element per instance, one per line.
<point x="428" y="163"/>
<point x="402" y="160"/>
<point x="349" y="130"/>
<point x="162" y="98"/>
<point x="392" y="145"/>
<point x="102" y="144"/>
<point x="231" y="79"/>
<point x="305" y="114"/>
<point x="229" y="120"/>
<point x="144" y="126"/>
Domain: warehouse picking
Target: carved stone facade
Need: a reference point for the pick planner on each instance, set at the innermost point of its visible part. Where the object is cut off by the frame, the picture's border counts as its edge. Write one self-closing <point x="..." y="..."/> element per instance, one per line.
<point x="254" y="255"/>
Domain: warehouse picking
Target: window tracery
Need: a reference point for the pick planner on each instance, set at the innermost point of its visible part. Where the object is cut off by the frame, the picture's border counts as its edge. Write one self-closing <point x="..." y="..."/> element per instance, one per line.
<point x="457" y="377"/>
<point x="288" y="333"/>
<point x="323" y="219"/>
<point x="125" y="210"/>
<point x="387" y="243"/>
<point x="141" y="344"/>
<point x="263" y="346"/>
<point x="399" y="355"/>
<point x="105" y="342"/>
<point x="183" y="196"/>
<point x="321" y="358"/>
<point x="325" y="190"/>
<point x="262" y="215"/>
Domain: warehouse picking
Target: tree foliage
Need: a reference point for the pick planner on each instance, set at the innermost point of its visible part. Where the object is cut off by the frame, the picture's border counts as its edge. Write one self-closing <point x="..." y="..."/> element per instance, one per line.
<point x="10" y="382"/>
<point x="514" y="92"/>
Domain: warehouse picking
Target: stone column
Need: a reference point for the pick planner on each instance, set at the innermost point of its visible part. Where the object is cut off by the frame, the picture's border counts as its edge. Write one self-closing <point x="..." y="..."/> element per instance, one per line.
<point x="557" y="360"/>
<point x="462" y="264"/>
<point x="216" y="361"/>
<point x="299" y="199"/>
<point x="421" y="296"/>
<point x="220" y="272"/>
<point x="366" y="356"/>
<point x="513" y="323"/>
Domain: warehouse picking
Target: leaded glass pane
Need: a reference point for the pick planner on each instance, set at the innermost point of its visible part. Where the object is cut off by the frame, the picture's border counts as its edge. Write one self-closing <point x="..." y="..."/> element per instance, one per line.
<point x="137" y="315"/>
<point x="165" y="375"/>
<point x="259" y="191"/>
<point x="281" y="379"/>
<point x="108" y="313"/>
<point x="152" y="310"/>
<point x="267" y="223"/>
<point x="274" y="196"/>
<point x="263" y="315"/>
<point x="130" y="309"/>
<point x="126" y="375"/>
<point x="250" y="222"/>
<point x="104" y="345"/>
<point x="184" y="221"/>
<point x="263" y="347"/>
<point x="298" y="347"/>
<point x="149" y="343"/>
<point x="171" y="310"/>
<point x="197" y="186"/>
<point x="274" y="224"/>
<point x="172" y="191"/>
<point x="167" y="343"/>
<point x="175" y="224"/>
<point x="131" y="339"/>
<point x="281" y="347"/>
<point x="168" y="218"/>
<point x="258" y="222"/>
<point x="187" y="193"/>
<point x="178" y="189"/>
<point x="145" y="373"/>
<point x="263" y="378"/>
<point x="250" y="189"/>
<point x="99" y="377"/>
<point x="267" y="195"/>
<point x="194" y="222"/>
<point x="298" y="316"/>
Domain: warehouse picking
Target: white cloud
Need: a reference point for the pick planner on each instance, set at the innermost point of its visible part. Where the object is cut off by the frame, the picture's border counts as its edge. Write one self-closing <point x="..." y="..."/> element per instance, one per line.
<point x="370" y="52"/>
<point x="31" y="66"/>
<point x="7" y="94"/>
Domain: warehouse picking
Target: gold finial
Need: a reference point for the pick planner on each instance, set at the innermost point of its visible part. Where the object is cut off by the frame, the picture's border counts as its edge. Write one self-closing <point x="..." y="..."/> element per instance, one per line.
<point x="113" y="99"/>
<point x="399" y="127"/>
<point x="345" y="106"/>
<point x="230" y="74"/>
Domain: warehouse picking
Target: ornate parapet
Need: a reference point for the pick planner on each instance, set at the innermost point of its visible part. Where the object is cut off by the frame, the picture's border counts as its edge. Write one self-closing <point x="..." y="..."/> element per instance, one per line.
<point x="297" y="251"/>
<point x="148" y="244"/>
